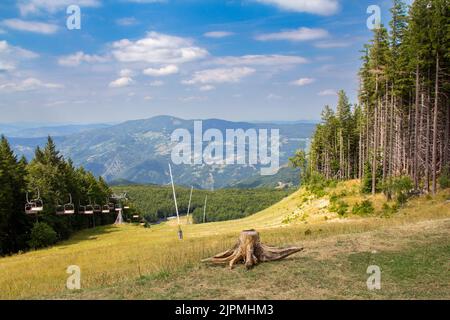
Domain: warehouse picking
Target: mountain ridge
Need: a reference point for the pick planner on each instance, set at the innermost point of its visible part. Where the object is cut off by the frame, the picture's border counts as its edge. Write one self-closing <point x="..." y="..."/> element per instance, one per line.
<point x="139" y="150"/>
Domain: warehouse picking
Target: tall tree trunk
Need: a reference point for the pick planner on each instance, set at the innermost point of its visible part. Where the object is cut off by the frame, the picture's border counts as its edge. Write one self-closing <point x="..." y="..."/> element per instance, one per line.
<point x="446" y="136"/>
<point x="341" y="155"/>
<point x="435" y="126"/>
<point x="385" y="132"/>
<point x="375" y="152"/>
<point x="391" y="133"/>
<point x="416" y="134"/>
<point x="427" y="146"/>
<point x="361" y="151"/>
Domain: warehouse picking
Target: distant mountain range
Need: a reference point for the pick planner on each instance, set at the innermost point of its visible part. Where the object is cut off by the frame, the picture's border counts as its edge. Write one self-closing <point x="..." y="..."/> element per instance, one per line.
<point x="29" y="131"/>
<point x="138" y="151"/>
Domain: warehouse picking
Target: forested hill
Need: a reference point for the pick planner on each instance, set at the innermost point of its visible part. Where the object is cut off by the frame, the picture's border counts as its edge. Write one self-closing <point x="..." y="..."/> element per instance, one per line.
<point x="400" y="126"/>
<point x="156" y="202"/>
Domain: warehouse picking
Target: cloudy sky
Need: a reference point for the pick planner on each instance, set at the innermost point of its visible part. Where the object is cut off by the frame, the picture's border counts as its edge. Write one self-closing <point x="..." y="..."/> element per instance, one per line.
<point x="132" y="59"/>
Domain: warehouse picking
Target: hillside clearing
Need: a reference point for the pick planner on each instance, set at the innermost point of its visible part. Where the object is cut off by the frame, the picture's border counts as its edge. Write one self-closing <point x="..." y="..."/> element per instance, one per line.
<point x="114" y="260"/>
<point x="414" y="260"/>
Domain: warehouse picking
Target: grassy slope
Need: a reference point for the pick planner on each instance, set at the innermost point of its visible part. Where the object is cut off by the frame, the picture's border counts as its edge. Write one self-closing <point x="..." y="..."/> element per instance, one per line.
<point x="132" y="262"/>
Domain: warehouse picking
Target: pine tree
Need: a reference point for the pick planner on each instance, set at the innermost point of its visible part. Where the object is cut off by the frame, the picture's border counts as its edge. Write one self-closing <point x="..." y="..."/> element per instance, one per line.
<point x="401" y="124"/>
<point x="14" y="225"/>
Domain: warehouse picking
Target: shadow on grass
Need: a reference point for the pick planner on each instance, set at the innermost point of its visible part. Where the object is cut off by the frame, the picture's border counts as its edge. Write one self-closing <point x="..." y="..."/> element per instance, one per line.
<point x="88" y="234"/>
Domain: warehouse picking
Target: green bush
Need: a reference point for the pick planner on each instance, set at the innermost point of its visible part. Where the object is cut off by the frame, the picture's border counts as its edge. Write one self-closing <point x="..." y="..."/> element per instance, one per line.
<point x="334" y="198"/>
<point x="340" y="207"/>
<point x="401" y="187"/>
<point x="317" y="183"/>
<point x="363" y="208"/>
<point x="42" y="235"/>
<point x="388" y="210"/>
<point x="444" y="179"/>
<point x="366" y="185"/>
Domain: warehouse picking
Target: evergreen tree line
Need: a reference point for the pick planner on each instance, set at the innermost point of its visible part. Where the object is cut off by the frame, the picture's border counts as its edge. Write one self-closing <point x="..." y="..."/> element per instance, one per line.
<point x="400" y="126"/>
<point x="55" y="178"/>
<point x="156" y="203"/>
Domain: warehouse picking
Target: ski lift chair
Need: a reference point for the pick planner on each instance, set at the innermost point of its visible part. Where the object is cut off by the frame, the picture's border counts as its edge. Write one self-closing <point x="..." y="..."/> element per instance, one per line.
<point x="69" y="209"/>
<point x="86" y="210"/>
<point x="89" y="209"/>
<point x="106" y="208"/>
<point x="59" y="210"/>
<point x="117" y="207"/>
<point x="97" y="208"/>
<point x="81" y="209"/>
<point x="38" y="205"/>
<point x="29" y="209"/>
<point x="35" y="206"/>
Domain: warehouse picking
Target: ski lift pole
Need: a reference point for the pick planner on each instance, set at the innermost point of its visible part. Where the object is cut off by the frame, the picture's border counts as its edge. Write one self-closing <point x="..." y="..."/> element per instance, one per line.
<point x="189" y="205"/>
<point x="180" y="232"/>
<point x="204" y="209"/>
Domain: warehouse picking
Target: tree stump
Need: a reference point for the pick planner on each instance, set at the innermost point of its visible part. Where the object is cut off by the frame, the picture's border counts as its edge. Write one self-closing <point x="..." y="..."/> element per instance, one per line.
<point x="251" y="251"/>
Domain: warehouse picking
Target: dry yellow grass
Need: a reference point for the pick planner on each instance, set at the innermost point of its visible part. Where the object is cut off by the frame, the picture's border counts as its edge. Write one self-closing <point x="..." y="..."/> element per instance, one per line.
<point x="115" y="254"/>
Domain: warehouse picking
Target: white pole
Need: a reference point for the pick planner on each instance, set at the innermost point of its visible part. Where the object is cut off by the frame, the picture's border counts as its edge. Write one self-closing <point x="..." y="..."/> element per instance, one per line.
<point x="189" y="205"/>
<point x="174" y="195"/>
<point x="204" y="209"/>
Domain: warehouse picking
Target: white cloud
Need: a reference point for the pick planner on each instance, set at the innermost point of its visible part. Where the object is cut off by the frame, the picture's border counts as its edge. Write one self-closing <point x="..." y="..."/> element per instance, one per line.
<point x="10" y="56"/>
<point x="332" y="44"/>
<point x="300" y="34"/>
<point x="163" y="71"/>
<point x="30" y="26"/>
<point x="158" y="48"/>
<point x="220" y="75"/>
<point x="321" y="7"/>
<point x="2" y="31"/>
<point x="156" y="83"/>
<point x="121" y="82"/>
<point x="27" y="7"/>
<point x="77" y="58"/>
<point x="18" y="52"/>
<point x="6" y="66"/>
<point x="28" y="85"/>
<point x="266" y="60"/>
<point x="56" y="103"/>
<point x="207" y="88"/>
<point x="218" y="34"/>
<point x="303" y="82"/>
<point x="126" y="73"/>
<point x="328" y="92"/>
<point x="148" y="98"/>
<point x="193" y="99"/>
<point x="127" y="21"/>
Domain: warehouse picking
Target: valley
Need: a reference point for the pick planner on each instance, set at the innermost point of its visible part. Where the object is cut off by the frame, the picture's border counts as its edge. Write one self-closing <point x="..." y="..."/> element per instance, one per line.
<point x="138" y="151"/>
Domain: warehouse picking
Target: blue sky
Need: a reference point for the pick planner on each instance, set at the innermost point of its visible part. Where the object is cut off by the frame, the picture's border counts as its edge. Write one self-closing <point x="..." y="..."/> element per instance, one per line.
<point x="133" y="59"/>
